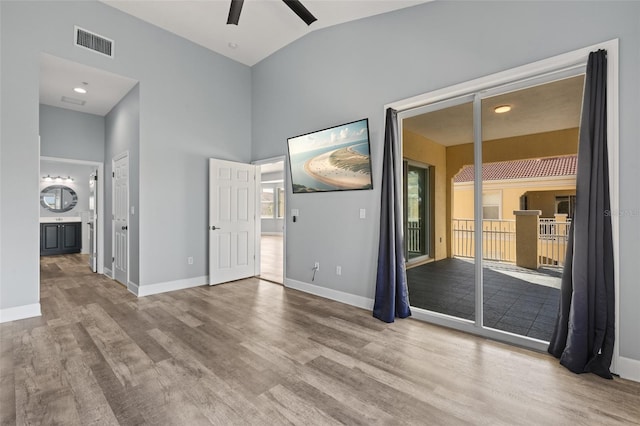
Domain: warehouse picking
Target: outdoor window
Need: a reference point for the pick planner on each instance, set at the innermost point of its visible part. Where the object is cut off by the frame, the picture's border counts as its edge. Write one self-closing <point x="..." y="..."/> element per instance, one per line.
<point x="272" y="200"/>
<point x="280" y="201"/>
<point x="565" y="205"/>
<point x="491" y="203"/>
<point x="267" y="203"/>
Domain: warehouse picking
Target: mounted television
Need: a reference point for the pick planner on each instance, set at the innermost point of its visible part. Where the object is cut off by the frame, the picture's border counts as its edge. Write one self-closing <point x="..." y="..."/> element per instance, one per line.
<point x="333" y="159"/>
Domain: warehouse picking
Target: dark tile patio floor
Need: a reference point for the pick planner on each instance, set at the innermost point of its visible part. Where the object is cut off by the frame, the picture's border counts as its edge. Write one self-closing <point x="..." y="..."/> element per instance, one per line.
<point x="511" y="302"/>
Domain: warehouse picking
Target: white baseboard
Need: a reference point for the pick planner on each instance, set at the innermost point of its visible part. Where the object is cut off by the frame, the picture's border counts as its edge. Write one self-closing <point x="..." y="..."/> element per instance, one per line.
<point x="629" y="368"/>
<point x="108" y="272"/>
<point x="132" y="287"/>
<point x="328" y="293"/>
<point x="279" y="234"/>
<point x="20" y="312"/>
<point x="147" y="290"/>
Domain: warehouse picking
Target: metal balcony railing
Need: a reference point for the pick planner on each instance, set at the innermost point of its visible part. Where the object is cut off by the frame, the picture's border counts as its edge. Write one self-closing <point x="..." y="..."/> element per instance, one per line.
<point x="499" y="240"/>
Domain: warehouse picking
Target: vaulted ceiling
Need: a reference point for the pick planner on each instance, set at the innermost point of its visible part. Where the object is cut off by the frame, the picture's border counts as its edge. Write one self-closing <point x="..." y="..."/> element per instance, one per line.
<point x="265" y="26"/>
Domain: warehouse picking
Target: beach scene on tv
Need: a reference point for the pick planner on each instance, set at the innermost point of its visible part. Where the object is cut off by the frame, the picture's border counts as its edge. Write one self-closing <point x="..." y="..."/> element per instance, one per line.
<point x="334" y="159"/>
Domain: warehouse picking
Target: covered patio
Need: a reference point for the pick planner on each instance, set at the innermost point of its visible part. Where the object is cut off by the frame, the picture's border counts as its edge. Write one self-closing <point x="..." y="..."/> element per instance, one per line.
<point x="517" y="300"/>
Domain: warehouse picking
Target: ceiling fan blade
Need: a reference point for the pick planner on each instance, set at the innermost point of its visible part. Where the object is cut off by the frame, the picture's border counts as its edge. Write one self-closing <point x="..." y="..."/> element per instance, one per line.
<point x="301" y="11"/>
<point x="234" y="12"/>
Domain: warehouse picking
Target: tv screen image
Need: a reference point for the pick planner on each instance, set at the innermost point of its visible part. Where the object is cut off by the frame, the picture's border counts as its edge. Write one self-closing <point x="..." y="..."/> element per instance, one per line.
<point x="333" y="159"/>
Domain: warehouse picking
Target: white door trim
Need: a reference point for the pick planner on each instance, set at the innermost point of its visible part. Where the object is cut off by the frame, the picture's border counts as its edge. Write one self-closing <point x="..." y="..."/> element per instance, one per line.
<point x="100" y="222"/>
<point x="554" y="64"/>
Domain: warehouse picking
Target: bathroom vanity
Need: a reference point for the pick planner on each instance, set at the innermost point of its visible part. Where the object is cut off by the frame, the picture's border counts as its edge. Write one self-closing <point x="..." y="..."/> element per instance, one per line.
<point x="60" y="235"/>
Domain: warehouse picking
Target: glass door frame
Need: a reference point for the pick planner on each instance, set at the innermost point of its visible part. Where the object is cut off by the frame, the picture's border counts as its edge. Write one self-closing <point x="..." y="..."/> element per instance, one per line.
<point x="428" y="212"/>
<point x="554" y="68"/>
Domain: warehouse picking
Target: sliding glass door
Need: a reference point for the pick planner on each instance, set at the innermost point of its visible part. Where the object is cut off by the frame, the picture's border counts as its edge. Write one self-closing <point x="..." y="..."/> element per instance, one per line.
<point x="503" y="171"/>
<point x="528" y="182"/>
<point x="440" y="251"/>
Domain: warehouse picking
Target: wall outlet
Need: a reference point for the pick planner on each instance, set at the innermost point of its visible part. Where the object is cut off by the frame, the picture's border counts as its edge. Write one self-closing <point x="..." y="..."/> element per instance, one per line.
<point x="190" y="260"/>
<point x="363" y="213"/>
<point x="316" y="266"/>
<point x="338" y="270"/>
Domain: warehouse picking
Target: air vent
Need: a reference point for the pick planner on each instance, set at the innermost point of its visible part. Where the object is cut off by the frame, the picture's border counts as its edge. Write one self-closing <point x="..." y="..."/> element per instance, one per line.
<point x="93" y="42"/>
<point x="73" y="101"/>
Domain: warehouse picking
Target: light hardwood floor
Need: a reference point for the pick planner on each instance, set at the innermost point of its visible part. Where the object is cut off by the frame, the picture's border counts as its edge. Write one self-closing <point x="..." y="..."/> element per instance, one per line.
<point x="271" y="254"/>
<point x="256" y="353"/>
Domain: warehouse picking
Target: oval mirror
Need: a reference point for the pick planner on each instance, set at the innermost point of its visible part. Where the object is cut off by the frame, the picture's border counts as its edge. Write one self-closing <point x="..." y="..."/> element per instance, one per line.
<point x="58" y="198"/>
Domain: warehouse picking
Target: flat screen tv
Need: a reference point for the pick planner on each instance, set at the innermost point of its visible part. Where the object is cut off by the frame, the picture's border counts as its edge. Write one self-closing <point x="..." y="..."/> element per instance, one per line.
<point x="333" y="159"/>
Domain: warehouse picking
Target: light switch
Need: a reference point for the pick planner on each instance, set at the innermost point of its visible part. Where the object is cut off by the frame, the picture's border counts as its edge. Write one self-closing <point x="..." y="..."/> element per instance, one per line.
<point x="133" y="210"/>
<point x="295" y="212"/>
<point x="363" y="213"/>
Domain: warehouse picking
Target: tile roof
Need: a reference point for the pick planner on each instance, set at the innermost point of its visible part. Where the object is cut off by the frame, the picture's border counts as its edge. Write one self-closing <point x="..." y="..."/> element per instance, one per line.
<point x="522" y="169"/>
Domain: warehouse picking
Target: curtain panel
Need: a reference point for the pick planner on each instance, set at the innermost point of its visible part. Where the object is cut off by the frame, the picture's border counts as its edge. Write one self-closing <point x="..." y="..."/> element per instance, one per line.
<point x="584" y="333"/>
<point x="392" y="296"/>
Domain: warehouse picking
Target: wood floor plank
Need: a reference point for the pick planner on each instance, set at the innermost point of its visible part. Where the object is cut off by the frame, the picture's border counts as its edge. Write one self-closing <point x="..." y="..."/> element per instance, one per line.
<point x="7" y="376"/>
<point x="91" y="404"/>
<point x="256" y="353"/>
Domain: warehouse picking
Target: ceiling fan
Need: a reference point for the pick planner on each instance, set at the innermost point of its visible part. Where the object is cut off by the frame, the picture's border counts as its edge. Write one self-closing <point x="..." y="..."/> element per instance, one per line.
<point x="295" y="5"/>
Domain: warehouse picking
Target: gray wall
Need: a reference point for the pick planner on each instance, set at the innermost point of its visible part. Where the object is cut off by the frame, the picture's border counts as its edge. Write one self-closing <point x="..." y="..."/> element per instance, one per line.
<point x="71" y="134"/>
<point x="194" y="104"/>
<point x="272" y="226"/>
<point x="351" y="71"/>
<point x="122" y="134"/>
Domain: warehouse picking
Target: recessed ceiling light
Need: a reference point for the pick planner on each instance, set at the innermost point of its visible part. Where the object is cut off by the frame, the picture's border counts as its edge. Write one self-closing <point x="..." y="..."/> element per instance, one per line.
<point x="79" y="90"/>
<point x="233" y="45"/>
<point x="501" y="109"/>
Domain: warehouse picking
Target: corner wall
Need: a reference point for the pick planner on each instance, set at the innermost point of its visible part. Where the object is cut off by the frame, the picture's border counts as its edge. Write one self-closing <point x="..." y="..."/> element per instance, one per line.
<point x="349" y="71"/>
<point x="194" y="104"/>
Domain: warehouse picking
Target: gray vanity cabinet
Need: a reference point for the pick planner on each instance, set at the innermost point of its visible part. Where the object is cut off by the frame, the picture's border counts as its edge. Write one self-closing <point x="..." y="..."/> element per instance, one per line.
<point x="60" y="238"/>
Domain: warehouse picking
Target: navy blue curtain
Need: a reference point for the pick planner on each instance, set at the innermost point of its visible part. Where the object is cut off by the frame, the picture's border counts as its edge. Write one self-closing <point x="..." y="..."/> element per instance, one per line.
<point x="584" y="333"/>
<point x="392" y="297"/>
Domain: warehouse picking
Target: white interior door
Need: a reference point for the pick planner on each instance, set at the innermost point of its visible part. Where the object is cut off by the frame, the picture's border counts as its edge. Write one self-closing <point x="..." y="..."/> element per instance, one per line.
<point x="120" y="218"/>
<point x="232" y="220"/>
<point x="93" y="221"/>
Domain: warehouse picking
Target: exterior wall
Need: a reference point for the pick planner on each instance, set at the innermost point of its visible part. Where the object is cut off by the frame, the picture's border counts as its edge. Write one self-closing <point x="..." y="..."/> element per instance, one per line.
<point x="548" y="144"/>
<point x="539" y="198"/>
<point x="545" y="201"/>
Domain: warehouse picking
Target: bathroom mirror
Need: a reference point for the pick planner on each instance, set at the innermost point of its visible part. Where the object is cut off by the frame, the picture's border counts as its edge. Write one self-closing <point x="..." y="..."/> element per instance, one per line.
<point x="58" y="198"/>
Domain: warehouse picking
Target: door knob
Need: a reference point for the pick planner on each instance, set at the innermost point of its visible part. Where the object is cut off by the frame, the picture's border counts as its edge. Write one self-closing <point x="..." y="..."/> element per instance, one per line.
<point x="213" y="228"/>
<point x="124" y="228"/>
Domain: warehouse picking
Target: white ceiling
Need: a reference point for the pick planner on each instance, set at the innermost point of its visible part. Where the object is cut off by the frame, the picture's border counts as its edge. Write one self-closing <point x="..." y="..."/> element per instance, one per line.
<point x="58" y="78"/>
<point x="548" y="107"/>
<point x="265" y="26"/>
<point x="538" y="109"/>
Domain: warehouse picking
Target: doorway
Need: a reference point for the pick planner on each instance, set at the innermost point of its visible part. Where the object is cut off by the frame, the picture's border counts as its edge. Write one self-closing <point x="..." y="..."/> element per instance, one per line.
<point x="418" y="212"/>
<point x="79" y="176"/>
<point x="272" y="219"/>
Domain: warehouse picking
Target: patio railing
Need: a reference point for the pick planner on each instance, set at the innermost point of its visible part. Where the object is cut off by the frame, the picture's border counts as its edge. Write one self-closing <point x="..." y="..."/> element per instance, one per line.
<point x="413" y="236"/>
<point x="552" y="244"/>
<point x="499" y="240"/>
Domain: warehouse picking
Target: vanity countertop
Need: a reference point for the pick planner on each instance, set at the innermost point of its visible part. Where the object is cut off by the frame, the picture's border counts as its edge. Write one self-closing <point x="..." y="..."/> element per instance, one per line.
<point x="60" y="219"/>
